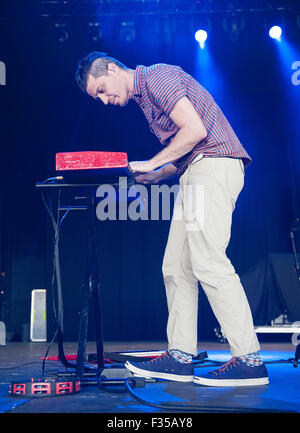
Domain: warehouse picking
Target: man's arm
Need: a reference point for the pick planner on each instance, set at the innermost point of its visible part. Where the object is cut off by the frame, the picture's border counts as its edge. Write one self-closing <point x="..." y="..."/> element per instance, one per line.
<point x="156" y="176"/>
<point x="191" y="131"/>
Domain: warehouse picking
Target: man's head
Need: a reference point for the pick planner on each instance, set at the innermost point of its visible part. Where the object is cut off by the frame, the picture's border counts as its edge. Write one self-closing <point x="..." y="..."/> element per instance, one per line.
<point x="105" y="78"/>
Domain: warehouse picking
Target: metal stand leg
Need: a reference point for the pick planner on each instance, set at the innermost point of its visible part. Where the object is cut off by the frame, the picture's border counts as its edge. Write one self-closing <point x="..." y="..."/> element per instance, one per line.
<point x="91" y="293"/>
<point x="297" y="356"/>
<point x="94" y="283"/>
<point x="295" y="227"/>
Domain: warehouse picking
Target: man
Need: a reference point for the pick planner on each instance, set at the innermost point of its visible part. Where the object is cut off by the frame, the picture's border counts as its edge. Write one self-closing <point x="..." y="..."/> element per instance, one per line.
<point x="201" y="147"/>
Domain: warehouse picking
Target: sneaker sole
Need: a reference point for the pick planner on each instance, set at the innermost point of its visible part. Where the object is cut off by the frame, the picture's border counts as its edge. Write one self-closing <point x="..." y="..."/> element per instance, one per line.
<point x="231" y="382"/>
<point x="152" y="374"/>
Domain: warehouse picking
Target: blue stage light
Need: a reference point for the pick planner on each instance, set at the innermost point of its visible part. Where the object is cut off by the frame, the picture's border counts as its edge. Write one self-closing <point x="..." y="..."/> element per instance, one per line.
<point x="201" y="36"/>
<point x="275" y="32"/>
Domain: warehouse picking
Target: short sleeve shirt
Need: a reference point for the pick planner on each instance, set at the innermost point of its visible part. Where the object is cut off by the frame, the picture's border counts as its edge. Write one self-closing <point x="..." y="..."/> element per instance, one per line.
<point x="157" y="88"/>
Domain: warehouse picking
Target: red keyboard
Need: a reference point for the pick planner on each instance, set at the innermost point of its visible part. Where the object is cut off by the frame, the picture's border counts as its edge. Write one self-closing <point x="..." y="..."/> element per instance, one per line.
<point x="92" y="166"/>
<point x="89" y="160"/>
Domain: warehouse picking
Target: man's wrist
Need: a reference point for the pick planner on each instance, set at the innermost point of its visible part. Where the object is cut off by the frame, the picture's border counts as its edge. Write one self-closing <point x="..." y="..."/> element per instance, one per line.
<point x="168" y="170"/>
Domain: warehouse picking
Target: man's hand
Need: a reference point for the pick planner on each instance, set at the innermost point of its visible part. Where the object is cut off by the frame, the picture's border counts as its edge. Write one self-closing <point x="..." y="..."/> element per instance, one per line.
<point x="151" y="177"/>
<point x="155" y="176"/>
<point x="141" y="166"/>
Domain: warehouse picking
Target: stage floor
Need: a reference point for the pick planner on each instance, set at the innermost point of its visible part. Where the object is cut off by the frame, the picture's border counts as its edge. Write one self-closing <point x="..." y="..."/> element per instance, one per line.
<point x="23" y="361"/>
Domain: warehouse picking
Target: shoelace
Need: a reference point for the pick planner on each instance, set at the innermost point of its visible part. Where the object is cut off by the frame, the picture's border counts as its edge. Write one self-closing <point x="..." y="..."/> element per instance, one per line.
<point x="162" y="356"/>
<point x="229" y="364"/>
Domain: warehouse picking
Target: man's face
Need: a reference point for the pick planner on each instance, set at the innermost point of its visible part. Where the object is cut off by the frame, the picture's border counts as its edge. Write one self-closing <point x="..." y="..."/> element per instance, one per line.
<point x="111" y="89"/>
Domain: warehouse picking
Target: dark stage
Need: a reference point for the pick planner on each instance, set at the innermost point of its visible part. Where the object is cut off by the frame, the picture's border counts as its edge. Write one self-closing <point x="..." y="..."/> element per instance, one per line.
<point x="280" y="396"/>
<point x="83" y="266"/>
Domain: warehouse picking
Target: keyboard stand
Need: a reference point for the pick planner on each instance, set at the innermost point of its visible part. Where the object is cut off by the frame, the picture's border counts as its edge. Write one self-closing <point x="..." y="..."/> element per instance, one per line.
<point x="92" y="284"/>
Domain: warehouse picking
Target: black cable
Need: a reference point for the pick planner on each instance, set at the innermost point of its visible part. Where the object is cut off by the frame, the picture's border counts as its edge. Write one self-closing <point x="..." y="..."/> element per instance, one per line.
<point x="202" y="408"/>
<point x="19" y="365"/>
<point x="113" y="388"/>
<point x="130" y="383"/>
<point x="54" y="223"/>
<point x="46" y="354"/>
<point x="56" y="268"/>
<point x="280" y="361"/>
<point x="58" y="315"/>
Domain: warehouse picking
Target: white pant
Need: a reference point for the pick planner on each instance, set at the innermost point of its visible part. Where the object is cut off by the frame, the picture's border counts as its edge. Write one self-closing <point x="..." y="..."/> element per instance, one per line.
<point x="196" y="251"/>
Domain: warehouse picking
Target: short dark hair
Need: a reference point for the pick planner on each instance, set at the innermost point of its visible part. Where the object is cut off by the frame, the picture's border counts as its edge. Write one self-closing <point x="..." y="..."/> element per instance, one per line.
<point x="94" y="64"/>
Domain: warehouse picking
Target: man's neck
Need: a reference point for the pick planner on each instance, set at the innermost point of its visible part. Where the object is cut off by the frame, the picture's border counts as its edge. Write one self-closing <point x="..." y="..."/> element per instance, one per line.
<point x="130" y="81"/>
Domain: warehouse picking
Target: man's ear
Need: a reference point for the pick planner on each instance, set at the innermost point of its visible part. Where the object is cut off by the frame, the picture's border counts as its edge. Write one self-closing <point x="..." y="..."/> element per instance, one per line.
<point x="112" y="68"/>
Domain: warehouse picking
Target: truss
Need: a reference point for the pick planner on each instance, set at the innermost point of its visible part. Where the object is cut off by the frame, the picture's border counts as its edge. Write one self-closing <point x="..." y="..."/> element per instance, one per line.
<point x="100" y="8"/>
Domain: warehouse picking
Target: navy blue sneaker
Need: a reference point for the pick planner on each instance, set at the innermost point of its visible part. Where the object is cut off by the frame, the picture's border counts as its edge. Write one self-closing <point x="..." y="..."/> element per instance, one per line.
<point x="163" y="367"/>
<point x="234" y="373"/>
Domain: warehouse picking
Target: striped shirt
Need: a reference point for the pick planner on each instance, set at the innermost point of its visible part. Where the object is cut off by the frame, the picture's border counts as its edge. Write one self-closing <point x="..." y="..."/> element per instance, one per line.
<point x="157" y="88"/>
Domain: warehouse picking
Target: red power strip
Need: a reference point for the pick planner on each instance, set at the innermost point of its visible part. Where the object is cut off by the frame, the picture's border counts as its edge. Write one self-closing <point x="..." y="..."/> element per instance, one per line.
<point x="44" y="387"/>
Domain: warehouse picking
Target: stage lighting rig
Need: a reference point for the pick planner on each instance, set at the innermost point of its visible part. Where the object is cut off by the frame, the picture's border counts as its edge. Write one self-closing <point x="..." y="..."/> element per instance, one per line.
<point x="275" y="32"/>
<point x="201" y="36"/>
<point x="234" y="16"/>
<point x="167" y="28"/>
<point x="61" y="32"/>
<point x="164" y="7"/>
<point x="201" y="28"/>
<point x="127" y="31"/>
<point x="233" y="25"/>
<point x="94" y="31"/>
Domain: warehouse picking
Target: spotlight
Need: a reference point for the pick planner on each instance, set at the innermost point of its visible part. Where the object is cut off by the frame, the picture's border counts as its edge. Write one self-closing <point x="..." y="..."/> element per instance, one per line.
<point x="61" y="32"/>
<point x="94" y="32"/>
<point x="275" y="32"/>
<point x="233" y="25"/>
<point x="127" y="31"/>
<point x="201" y="36"/>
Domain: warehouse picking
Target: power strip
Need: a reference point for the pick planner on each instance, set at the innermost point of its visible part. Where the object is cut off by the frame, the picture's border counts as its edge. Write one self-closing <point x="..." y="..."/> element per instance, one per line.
<point x="45" y="387"/>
